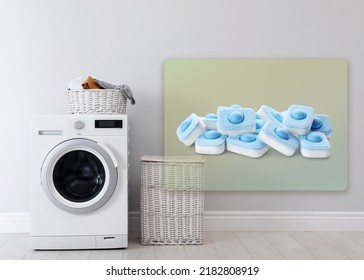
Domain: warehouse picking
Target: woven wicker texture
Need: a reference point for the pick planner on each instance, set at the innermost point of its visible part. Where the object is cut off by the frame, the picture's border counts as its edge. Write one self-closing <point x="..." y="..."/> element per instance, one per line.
<point x="96" y="101"/>
<point x="172" y="200"/>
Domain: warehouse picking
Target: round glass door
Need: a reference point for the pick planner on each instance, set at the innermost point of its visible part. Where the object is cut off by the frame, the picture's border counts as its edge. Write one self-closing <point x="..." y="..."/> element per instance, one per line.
<point x="79" y="175"/>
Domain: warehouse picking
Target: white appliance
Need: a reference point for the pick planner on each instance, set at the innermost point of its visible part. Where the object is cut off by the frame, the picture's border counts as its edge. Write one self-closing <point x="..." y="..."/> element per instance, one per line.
<point x="79" y="182"/>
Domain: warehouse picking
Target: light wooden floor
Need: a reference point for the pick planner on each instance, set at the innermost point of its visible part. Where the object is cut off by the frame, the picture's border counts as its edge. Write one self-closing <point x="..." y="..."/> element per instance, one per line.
<point x="218" y="245"/>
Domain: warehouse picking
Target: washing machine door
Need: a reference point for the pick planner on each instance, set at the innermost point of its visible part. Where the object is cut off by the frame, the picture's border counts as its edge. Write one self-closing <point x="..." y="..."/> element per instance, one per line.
<point x="79" y="175"/>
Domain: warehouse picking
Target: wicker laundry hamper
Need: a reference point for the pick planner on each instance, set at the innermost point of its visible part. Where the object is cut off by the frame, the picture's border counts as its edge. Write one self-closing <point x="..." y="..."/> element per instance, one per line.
<point x="172" y="200"/>
<point x="96" y="101"/>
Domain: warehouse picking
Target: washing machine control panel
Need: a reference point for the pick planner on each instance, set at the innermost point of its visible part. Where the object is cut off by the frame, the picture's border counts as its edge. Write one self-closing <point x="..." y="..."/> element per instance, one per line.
<point x="109" y="123"/>
<point x="79" y="125"/>
<point x="98" y="125"/>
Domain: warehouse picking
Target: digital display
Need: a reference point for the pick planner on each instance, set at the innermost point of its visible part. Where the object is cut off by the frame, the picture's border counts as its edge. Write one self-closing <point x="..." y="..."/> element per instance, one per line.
<point x="108" y="123"/>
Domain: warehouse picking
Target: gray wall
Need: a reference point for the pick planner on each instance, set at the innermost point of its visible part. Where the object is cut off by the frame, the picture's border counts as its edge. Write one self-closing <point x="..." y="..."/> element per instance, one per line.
<point x="44" y="44"/>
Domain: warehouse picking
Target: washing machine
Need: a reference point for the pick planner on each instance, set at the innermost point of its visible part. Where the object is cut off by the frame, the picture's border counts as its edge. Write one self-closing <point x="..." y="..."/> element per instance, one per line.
<point x="79" y="197"/>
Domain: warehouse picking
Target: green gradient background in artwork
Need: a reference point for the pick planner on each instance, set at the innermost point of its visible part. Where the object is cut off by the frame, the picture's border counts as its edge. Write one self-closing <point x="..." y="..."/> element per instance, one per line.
<point x="200" y="86"/>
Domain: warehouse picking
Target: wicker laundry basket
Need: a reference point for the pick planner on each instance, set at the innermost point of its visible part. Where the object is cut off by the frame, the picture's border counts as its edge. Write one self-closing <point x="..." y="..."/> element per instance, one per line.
<point x="172" y="200"/>
<point x="96" y="101"/>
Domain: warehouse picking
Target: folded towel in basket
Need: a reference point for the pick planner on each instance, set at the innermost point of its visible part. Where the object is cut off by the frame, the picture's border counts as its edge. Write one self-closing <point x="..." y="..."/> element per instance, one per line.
<point x="125" y="90"/>
<point x="90" y="84"/>
<point x="76" y="84"/>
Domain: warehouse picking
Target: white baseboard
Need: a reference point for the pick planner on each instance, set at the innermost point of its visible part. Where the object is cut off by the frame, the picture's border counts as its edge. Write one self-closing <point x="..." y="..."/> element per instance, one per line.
<point x="274" y="221"/>
<point x="283" y="221"/>
<point x="14" y="222"/>
<point x="236" y="221"/>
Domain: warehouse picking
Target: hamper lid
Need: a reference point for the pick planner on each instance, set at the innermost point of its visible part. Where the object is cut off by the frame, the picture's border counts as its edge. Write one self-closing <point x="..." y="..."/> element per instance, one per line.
<point x="173" y="159"/>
